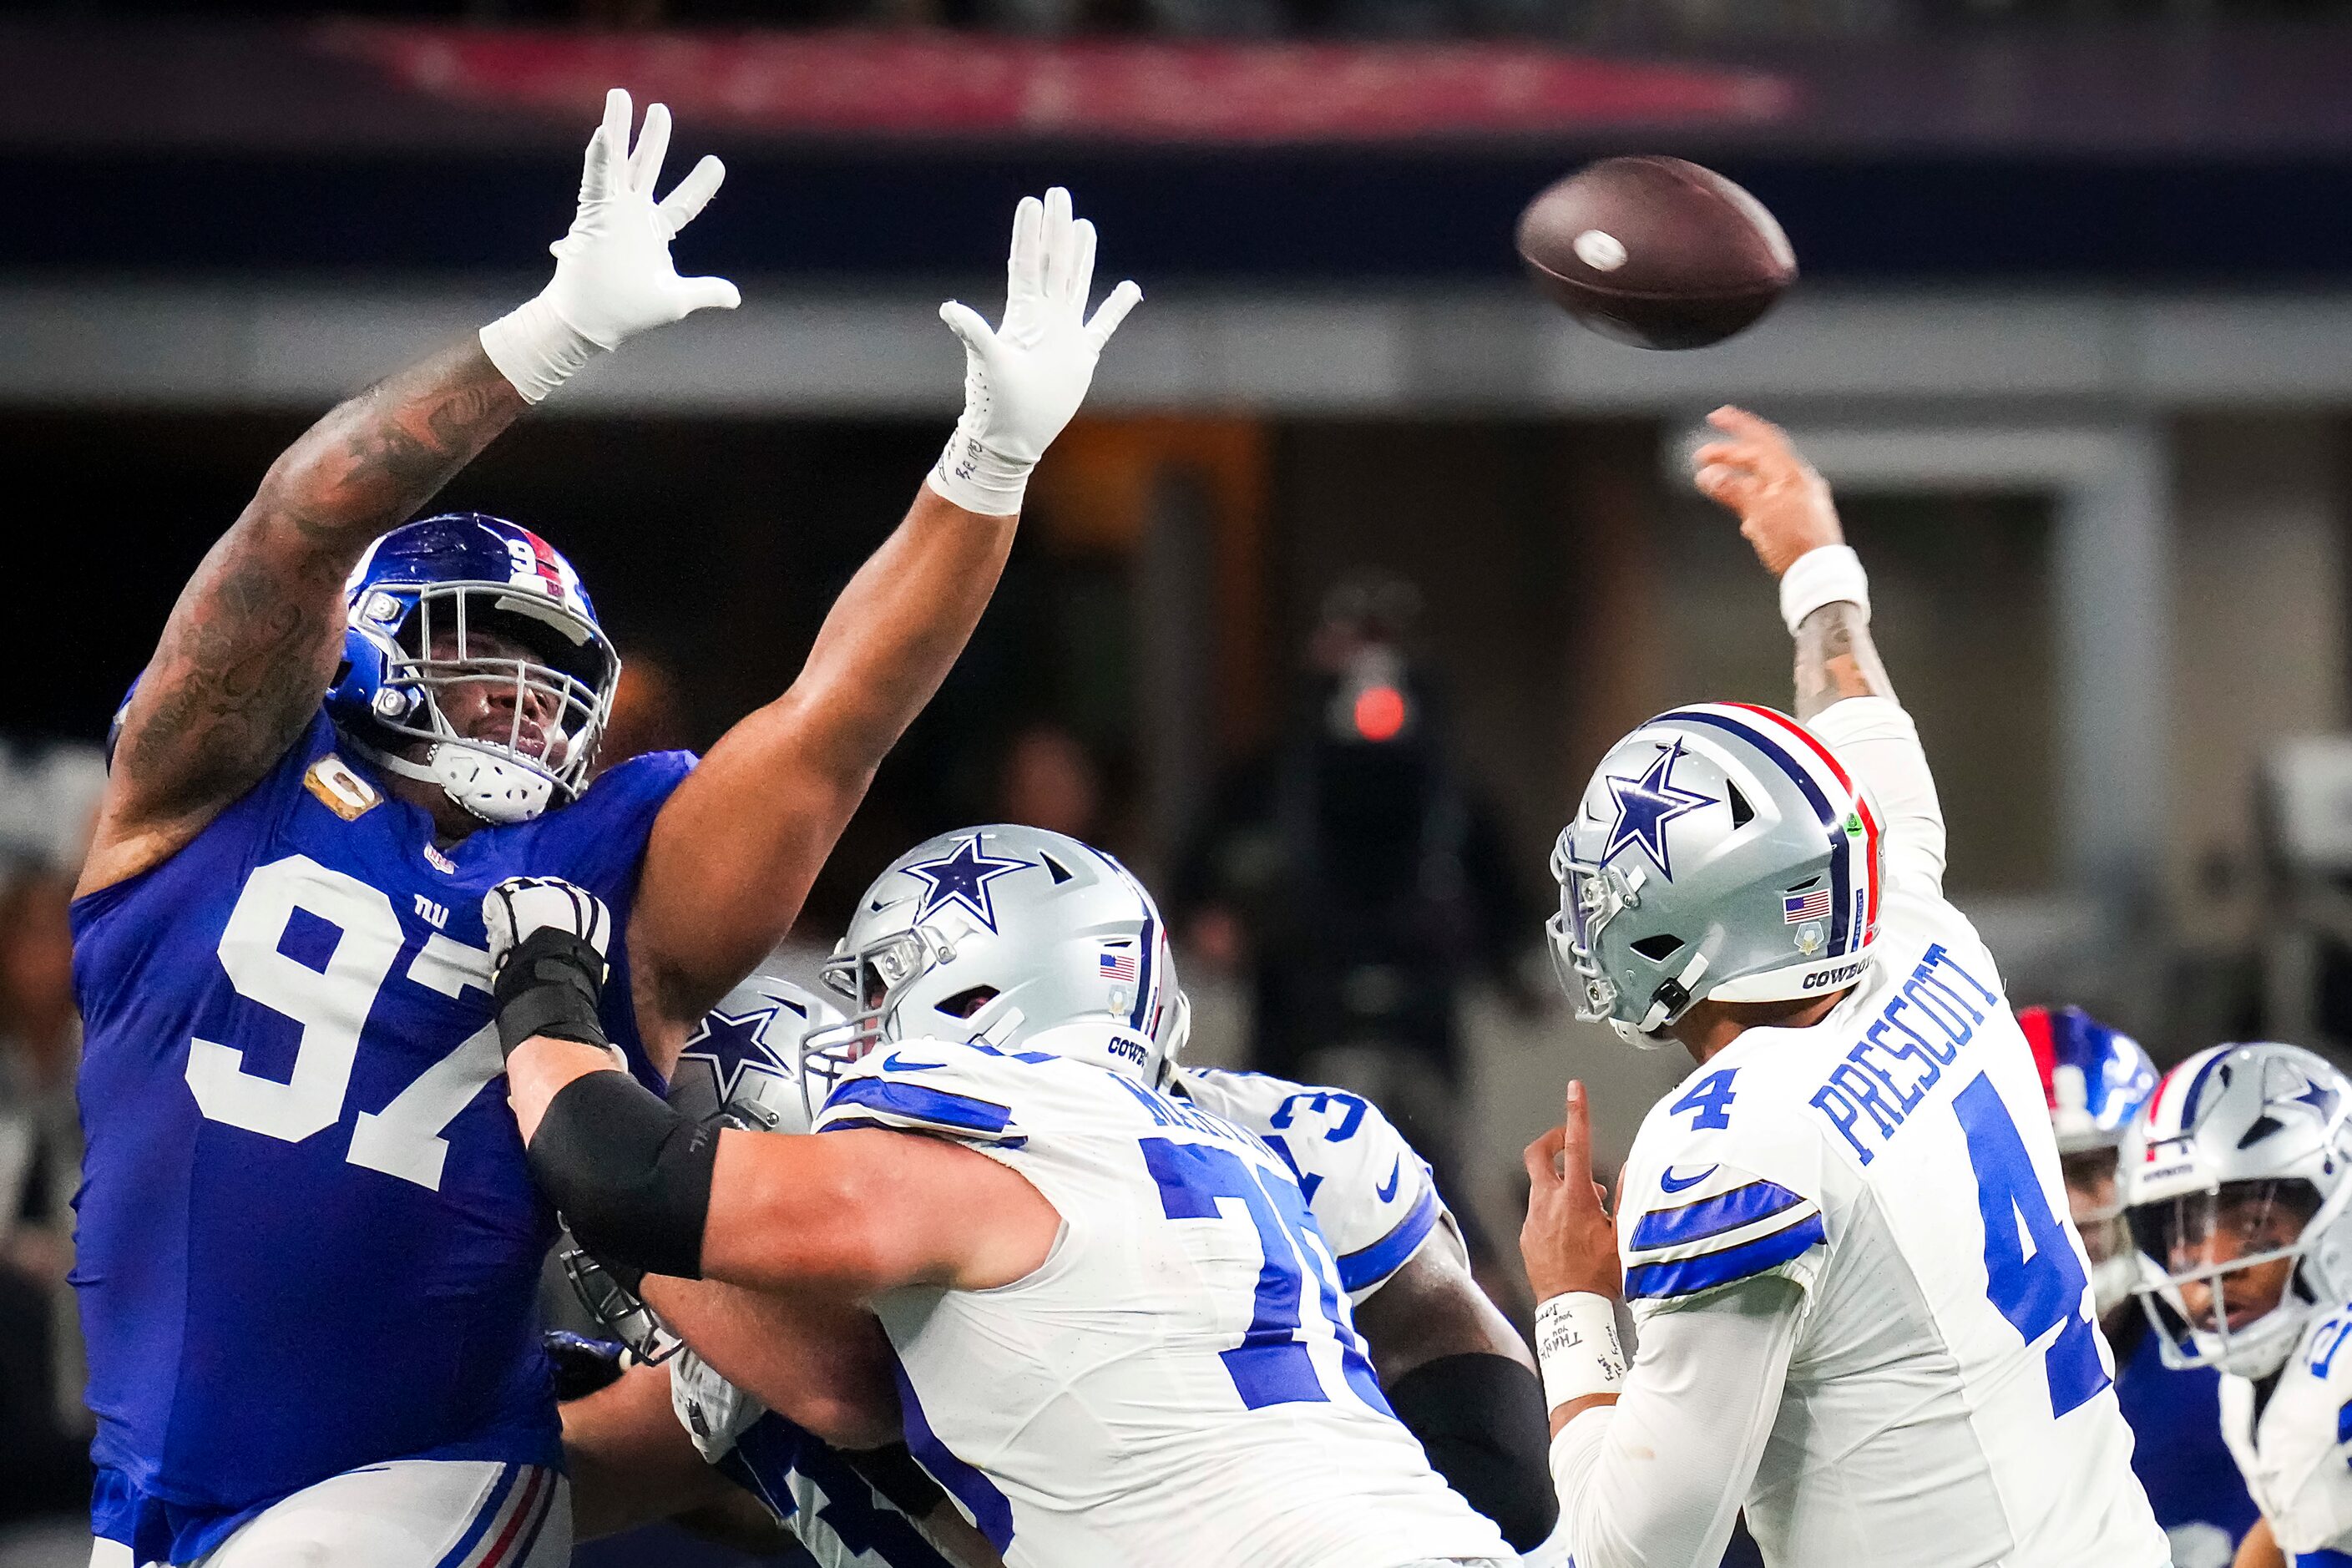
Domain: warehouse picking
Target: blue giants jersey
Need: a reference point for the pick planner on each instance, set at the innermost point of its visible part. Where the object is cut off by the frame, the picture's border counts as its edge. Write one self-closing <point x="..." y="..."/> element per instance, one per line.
<point x="2178" y="1452"/>
<point x="308" y="1239"/>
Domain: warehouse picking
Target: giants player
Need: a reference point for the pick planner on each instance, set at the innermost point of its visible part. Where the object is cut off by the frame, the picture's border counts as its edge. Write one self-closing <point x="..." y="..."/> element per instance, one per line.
<point x="294" y="1143"/>
<point x="2237" y="1179"/>
<point x="1452" y="1367"/>
<point x="2098" y="1080"/>
<point x="1863" y="1314"/>
<point x="1119" y="1336"/>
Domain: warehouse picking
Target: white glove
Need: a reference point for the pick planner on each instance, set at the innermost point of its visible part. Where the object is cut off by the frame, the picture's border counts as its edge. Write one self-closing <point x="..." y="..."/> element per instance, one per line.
<point x="612" y="273"/>
<point x="521" y="905"/>
<point x="1023" y="381"/>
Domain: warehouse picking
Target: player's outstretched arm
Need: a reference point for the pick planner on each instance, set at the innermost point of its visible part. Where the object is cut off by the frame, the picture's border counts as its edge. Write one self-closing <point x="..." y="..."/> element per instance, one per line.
<point x="847" y="1214"/>
<point x="253" y="641"/>
<point x="735" y="848"/>
<point x="1460" y="1380"/>
<point x="1786" y="513"/>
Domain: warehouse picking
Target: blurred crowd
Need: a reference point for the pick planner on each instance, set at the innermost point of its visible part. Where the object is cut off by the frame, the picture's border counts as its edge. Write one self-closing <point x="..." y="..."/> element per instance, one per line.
<point x="1615" y="21"/>
<point x="47" y="797"/>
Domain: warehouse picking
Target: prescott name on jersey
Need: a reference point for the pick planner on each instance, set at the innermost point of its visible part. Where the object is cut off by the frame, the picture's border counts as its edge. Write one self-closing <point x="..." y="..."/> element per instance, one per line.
<point x="307" y="1238"/>
<point x="1866" y="1216"/>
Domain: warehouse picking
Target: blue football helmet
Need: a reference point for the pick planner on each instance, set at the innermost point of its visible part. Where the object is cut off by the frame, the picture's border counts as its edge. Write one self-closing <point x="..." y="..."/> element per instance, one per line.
<point x="2096" y="1079"/>
<point x="447" y="601"/>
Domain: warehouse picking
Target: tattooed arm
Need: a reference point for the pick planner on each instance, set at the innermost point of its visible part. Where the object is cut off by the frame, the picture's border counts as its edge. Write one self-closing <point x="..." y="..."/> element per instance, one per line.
<point x="253" y="641"/>
<point x="254" y="638"/>
<point x="1836" y="660"/>
<point x="1785" y="511"/>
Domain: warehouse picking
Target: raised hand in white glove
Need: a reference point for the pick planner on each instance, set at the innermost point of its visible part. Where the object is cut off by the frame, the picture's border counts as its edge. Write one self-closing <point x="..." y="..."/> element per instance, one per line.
<point x="612" y="273"/>
<point x="519" y="907"/>
<point x="1023" y="381"/>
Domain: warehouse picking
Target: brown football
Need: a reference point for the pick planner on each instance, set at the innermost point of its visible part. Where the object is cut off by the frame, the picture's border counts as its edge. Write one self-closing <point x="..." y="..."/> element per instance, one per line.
<point x="1655" y="252"/>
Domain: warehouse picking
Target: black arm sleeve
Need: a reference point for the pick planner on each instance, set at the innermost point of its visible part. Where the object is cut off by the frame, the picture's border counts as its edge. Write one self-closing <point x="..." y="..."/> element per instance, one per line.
<point x="894" y="1473"/>
<point x="631" y="1174"/>
<point x="1481" y="1419"/>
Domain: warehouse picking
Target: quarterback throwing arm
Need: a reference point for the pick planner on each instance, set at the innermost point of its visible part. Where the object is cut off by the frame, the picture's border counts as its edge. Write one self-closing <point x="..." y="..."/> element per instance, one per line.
<point x="1861" y="1313"/>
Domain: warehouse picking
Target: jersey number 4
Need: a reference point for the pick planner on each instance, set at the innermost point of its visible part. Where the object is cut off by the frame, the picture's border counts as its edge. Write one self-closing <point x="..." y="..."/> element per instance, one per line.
<point x="1271" y="1365"/>
<point x="2031" y="1274"/>
<point x="331" y="1004"/>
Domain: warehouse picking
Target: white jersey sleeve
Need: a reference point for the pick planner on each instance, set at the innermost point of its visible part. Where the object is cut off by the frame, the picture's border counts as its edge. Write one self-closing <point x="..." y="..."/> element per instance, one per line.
<point x="1179" y="1381"/>
<point x="2297" y="1456"/>
<point x="1878" y="742"/>
<point x="1656" y="1479"/>
<point x="1371" y="1197"/>
<point x="1709" y="1198"/>
<point x="950" y="1091"/>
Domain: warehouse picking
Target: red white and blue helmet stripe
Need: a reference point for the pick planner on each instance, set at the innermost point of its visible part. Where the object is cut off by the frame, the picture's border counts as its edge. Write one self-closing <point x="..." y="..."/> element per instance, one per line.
<point x="1855" y="862"/>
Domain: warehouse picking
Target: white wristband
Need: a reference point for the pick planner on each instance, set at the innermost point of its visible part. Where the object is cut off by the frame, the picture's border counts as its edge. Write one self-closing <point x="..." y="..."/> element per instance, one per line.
<point x="1827" y="576"/>
<point x="978" y="480"/>
<point x="1577" y="1348"/>
<point x="536" y="349"/>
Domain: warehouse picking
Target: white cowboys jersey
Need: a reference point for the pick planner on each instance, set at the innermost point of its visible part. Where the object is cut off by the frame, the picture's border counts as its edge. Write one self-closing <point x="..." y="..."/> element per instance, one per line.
<point x="2296" y="1455"/>
<point x="1371" y="1195"/>
<point x="1180" y="1383"/>
<point x="1949" y="1397"/>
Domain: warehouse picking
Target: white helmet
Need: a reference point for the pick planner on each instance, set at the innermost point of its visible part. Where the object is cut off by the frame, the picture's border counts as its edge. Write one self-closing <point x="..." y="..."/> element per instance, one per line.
<point x="743" y="1060"/>
<point x="1000" y="936"/>
<point x="740" y="1067"/>
<point x="1720" y="850"/>
<point x="2251" y="1143"/>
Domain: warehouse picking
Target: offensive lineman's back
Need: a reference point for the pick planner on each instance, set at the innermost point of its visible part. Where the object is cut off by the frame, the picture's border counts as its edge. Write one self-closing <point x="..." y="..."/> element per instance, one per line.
<point x="1179" y="1382"/>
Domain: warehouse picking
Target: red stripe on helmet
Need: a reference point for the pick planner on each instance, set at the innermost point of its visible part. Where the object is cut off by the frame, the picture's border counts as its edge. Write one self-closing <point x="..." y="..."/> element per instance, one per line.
<point x="550" y="568"/>
<point x="2035" y="1023"/>
<point x="1870" y="825"/>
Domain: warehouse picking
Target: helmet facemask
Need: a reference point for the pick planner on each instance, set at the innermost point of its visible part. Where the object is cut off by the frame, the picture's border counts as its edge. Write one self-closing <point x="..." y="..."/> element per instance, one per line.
<point x="2235" y="1251"/>
<point x="439" y="637"/>
<point x="2095" y="1203"/>
<point x="1592" y="898"/>
<point x="876" y="981"/>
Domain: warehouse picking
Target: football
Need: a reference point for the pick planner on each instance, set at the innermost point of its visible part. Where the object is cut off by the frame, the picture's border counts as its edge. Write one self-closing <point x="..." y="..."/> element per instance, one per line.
<point x="1656" y="251"/>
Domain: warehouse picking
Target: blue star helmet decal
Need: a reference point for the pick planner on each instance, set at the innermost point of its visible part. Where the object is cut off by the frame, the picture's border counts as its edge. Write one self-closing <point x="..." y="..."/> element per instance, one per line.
<point x="1644" y="807"/>
<point x="962" y="877"/>
<point x="733" y="1036"/>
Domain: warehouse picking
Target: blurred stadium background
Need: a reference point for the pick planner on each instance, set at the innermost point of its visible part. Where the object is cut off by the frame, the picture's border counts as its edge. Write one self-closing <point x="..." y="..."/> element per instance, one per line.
<point x="1361" y="552"/>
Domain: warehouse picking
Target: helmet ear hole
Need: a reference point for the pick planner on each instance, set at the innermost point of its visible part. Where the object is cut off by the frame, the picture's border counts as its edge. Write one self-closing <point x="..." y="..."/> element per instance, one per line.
<point x="1657" y="949"/>
<point x="965" y="1003"/>
<point x="1742" y="814"/>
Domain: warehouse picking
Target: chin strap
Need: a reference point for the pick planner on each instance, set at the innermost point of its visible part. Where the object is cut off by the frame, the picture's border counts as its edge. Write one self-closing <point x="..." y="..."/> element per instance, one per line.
<point x="458" y="768"/>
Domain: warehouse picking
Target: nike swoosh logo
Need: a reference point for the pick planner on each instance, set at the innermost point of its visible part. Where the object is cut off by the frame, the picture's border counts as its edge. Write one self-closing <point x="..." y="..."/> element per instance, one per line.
<point x="894" y="1062"/>
<point x="1673" y="1183"/>
<point x="1388" y="1191"/>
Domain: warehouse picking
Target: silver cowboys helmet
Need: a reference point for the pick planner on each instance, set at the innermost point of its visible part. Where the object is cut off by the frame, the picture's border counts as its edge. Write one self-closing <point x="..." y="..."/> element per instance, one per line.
<point x="2241" y="1161"/>
<point x="1000" y="936"/>
<point x="742" y="1067"/>
<point x="1721" y="851"/>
